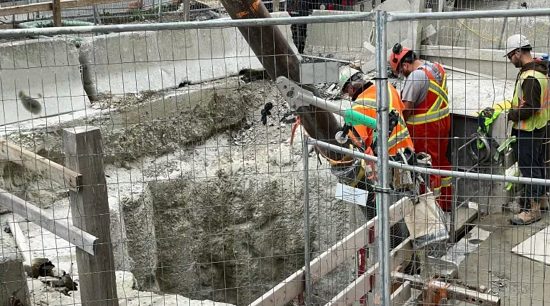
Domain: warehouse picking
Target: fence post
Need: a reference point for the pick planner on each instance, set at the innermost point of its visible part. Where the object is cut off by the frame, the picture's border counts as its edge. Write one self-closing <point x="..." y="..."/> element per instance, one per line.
<point x="90" y="212"/>
<point x="56" y="7"/>
<point x="382" y="197"/>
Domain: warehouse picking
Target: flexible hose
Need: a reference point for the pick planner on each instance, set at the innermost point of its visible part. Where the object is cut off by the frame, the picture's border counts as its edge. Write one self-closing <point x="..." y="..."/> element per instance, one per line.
<point x="483" y="156"/>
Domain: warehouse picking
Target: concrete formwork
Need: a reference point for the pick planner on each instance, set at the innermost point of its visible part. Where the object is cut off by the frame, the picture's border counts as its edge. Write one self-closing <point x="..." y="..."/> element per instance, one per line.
<point x="47" y="67"/>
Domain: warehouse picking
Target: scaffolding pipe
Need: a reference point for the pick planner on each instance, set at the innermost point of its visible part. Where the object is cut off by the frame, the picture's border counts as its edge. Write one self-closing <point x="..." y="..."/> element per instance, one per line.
<point x="465" y="175"/>
<point x="383" y="198"/>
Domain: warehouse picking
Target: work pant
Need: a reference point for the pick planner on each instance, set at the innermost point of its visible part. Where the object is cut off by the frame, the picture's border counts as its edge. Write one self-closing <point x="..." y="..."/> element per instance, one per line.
<point x="529" y="151"/>
<point x="433" y="138"/>
<point x="299" y="33"/>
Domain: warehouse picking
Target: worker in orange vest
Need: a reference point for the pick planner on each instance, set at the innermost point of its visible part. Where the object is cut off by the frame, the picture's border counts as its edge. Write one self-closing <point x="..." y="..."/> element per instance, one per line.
<point x="363" y="92"/>
<point x="426" y="112"/>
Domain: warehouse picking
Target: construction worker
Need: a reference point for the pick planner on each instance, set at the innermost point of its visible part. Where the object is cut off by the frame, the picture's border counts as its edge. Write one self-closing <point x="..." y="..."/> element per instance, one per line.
<point x="529" y="115"/>
<point x="363" y="92"/>
<point x="424" y="96"/>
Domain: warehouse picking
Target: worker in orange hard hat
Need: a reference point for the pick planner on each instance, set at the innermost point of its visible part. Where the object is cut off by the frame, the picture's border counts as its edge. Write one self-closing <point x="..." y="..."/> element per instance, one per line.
<point x="424" y="95"/>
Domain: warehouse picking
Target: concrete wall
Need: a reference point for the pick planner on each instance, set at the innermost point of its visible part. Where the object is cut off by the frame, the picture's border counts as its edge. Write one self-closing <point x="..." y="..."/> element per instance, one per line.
<point x="49" y="67"/>
<point x="347" y="39"/>
<point x="117" y="63"/>
<point x="133" y="62"/>
<point x="486" y="61"/>
<point x="484" y="33"/>
<point x="355" y="40"/>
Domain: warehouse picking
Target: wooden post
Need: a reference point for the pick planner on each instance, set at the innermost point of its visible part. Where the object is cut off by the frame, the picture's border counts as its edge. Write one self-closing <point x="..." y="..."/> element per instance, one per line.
<point x="90" y="212"/>
<point x="186" y="10"/>
<point x="56" y="5"/>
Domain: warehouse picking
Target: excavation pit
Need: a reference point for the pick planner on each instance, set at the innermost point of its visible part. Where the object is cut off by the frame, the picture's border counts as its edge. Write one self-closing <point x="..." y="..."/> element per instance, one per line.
<point x="206" y="202"/>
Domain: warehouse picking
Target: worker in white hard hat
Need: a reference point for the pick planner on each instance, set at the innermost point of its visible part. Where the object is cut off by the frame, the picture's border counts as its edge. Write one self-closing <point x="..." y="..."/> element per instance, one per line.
<point x="363" y="93"/>
<point x="529" y="115"/>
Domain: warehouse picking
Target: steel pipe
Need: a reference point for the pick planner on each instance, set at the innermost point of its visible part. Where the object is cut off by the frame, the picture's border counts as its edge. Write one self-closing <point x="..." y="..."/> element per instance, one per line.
<point x="466" y="175"/>
<point x="383" y="198"/>
<point x="468" y="14"/>
<point x="189" y="25"/>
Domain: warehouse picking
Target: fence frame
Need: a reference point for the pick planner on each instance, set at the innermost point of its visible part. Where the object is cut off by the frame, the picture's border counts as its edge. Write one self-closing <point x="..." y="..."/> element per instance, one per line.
<point x="381" y="18"/>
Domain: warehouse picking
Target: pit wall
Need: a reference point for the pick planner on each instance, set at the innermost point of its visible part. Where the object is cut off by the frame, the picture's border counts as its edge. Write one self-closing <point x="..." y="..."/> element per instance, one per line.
<point x="116" y="63"/>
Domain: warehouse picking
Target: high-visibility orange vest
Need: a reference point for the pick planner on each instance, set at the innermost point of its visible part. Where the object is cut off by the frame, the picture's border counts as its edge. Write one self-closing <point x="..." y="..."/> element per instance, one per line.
<point x="366" y="104"/>
<point x="436" y="105"/>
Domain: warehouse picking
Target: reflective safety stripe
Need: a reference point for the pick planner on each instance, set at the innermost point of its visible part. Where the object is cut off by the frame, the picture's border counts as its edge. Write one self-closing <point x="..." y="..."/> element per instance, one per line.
<point x="540" y="118"/>
<point x="436" y="111"/>
<point x="446" y="181"/>
<point x="437" y="192"/>
<point x="404" y="133"/>
<point x="395" y="139"/>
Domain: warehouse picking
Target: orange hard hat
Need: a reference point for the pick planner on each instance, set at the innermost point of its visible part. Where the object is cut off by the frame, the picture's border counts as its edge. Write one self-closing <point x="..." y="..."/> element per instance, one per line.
<point x="398" y="52"/>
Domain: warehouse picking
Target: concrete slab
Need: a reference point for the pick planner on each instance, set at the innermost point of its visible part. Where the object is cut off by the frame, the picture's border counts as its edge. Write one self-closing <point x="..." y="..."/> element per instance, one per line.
<point x="47" y="67"/>
<point x="536" y="247"/>
<point x="138" y="61"/>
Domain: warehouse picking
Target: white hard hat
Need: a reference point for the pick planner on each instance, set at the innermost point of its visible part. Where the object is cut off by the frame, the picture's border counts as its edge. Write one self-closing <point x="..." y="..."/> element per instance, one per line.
<point x="345" y="75"/>
<point x="516" y="41"/>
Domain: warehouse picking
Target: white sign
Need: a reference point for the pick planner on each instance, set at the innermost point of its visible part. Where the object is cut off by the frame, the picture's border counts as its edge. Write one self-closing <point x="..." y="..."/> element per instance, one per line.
<point x="351" y="195"/>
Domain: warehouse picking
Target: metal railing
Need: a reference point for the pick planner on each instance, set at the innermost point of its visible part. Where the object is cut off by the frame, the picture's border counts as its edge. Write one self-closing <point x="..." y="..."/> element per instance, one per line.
<point x="381" y="20"/>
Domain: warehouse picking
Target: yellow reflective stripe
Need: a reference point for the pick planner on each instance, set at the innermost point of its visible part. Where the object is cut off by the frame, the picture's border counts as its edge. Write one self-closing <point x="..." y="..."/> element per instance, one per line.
<point x="403" y="134"/>
<point x="436" y="112"/>
<point x="441" y="94"/>
<point x="426" y="118"/>
<point x="367" y="102"/>
<point x="360" y="175"/>
<point x="446" y="181"/>
<point x="437" y="192"/>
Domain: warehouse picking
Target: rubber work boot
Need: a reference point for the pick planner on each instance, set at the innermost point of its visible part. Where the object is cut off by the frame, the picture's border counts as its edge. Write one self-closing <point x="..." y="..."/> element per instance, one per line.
<point x="528" y="215"/>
